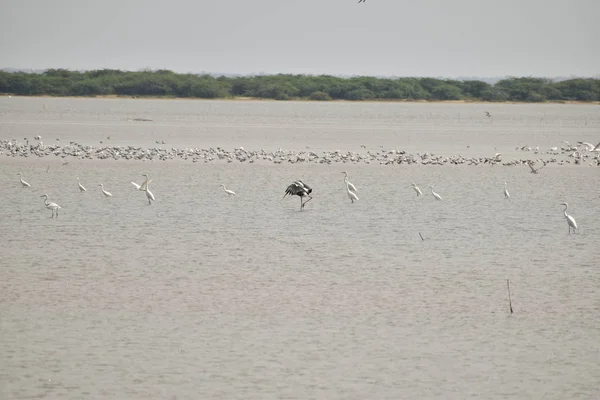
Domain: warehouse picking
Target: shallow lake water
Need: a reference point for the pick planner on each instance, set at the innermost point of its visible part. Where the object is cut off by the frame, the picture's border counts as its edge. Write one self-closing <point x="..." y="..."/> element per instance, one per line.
<point x="204" y="296"/>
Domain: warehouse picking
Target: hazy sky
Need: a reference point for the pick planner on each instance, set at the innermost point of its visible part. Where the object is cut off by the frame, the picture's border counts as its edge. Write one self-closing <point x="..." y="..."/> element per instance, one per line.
<point x="341" y="37"/>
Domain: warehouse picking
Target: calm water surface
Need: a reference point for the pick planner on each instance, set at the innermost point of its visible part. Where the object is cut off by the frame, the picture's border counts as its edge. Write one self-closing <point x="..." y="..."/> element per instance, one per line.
<point x="205" y="296"/>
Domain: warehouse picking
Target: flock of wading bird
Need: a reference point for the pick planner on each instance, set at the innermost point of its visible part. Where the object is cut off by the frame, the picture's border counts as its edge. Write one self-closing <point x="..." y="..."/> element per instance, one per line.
<point x="296" y="188"/>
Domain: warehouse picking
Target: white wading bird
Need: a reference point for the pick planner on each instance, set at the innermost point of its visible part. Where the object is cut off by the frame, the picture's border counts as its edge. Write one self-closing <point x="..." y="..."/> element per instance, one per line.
<point x="416" y="188"/>
<point x="437" y="196"/>
<point x="351" y="195"/>
<point x="229" y="192"/>
<point x="570" y="220"/>
<point x="81" y="188"/>
<point x="25" y="184"/>
<point x="52" y="206"/>
<point x="107" y="194"/>
<point x="506" y="194"/>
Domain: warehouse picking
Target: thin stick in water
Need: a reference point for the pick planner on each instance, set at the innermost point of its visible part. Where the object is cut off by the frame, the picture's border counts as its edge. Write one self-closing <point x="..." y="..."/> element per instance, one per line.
<point x="509" y="300"/>
<point x="421" y="236"/>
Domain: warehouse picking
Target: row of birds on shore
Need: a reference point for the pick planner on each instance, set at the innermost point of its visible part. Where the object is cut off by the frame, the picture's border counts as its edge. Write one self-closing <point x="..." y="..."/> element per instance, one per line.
<point x="296" y="188"/>
<point x="576" y="154"/>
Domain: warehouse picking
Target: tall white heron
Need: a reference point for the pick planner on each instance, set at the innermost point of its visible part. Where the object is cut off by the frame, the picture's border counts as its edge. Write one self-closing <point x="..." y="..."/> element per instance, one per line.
<point x="437" y="196"/>
<point x="351" y="195"/>
<point x="570" y="220"/>
<point x="149" y="195"/>
<point x="349" y="185"/>
<point x="229" y="192"/>
<point x="81" y="188"/>
<point x="25" y="184"/>
<point x="416" y="188"/>
<point x="506" y="194"/>
<point x="52" y="206"/>
<point x="107" y="194"/>
<point x="300" y="189"/>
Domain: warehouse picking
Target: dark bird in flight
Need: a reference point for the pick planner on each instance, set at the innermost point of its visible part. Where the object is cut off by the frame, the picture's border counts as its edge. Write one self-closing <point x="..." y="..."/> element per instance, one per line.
<point x="487" y="114"/>
<point x="361" y="1"/>
<point x="301" y="189"/>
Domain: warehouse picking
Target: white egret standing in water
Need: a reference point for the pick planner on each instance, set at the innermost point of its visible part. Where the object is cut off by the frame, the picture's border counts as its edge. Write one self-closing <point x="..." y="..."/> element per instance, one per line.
<point x="437" y="196"/>
<point x="351" y="195"/>
<point x="506" y="194"/>
<point x="52" y="206"/>
<point x="25" y="184"/>
<point x="570" y="220"/>
<point x="107" y="194"/>
<point x="229" y="192"/>
<point x="416" y="188"/>
<point x="81" y="188"/>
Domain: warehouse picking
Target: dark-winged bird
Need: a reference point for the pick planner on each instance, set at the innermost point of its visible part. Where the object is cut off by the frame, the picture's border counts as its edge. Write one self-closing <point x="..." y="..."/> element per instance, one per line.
<point x="301" y="189"/>
<point x="487" y="114"/>
<point x="361" y="1"/>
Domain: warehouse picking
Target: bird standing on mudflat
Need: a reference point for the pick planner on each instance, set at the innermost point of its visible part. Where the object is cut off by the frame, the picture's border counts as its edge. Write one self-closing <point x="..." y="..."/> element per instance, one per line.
<point x="300" y="189"/>
<point x="570" y="220"/>
<point x="414" y="186"/>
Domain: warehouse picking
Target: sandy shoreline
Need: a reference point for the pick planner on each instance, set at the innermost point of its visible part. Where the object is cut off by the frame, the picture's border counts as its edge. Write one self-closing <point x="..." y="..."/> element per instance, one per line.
<point x="241" y="98"/>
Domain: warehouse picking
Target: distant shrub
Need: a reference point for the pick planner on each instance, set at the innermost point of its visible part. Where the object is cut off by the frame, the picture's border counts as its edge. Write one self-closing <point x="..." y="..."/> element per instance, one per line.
<point x="319" y="96"/>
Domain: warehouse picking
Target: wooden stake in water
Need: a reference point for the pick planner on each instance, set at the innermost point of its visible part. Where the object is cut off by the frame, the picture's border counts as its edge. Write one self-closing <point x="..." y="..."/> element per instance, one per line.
<point x="509" y="300"/>
<point x="421" y="236"/>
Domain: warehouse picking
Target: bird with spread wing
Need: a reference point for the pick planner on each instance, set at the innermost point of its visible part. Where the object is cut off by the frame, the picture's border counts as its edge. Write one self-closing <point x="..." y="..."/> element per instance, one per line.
<point x="300" y="189"/>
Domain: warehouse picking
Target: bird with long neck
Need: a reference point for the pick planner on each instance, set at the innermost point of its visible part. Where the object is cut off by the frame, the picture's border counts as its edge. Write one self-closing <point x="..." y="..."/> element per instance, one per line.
<point x="570" y="220"/>
<point x="25" y="184"/>
<point x="437" y="196"/>
<point x="351" y="195"/>
<point x="107" y="194"/>
<point x="52" y="206"/>
<point x="506" y="194"/>
<point x="149" y="194"/>
<point x="416" y="188"/>
<point x="349" y="185"/>
<point x="229" y="192"/>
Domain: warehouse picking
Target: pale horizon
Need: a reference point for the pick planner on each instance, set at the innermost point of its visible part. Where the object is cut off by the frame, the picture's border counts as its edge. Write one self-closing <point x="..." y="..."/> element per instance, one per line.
<point x="463" y="39"/>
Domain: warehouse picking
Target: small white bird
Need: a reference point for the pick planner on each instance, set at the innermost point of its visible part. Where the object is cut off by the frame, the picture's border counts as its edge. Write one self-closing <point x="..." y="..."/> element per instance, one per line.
<point x="506" y="194"/>
<point x="52" y="206"/>
<point x="229" y="192"/>
<point x="107" y="194"/>
<point x="25" y="184"/>
<point x="437" y="196"/>
<point x="137" y="187"/>
<point x="416" y="188"/>
<point x="81" y="188"/>
<point x="348" y="184"/>
<point x="570" y="220"/>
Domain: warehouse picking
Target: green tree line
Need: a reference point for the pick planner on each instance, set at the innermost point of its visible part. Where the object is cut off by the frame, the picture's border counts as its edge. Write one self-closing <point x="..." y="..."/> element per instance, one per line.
<point x="165" y="83"/>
